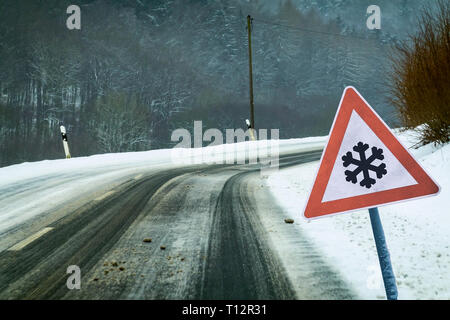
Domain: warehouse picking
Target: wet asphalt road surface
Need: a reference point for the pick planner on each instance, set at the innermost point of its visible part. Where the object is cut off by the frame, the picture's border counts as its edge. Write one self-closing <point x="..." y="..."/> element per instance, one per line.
<point x="209" y="240"/>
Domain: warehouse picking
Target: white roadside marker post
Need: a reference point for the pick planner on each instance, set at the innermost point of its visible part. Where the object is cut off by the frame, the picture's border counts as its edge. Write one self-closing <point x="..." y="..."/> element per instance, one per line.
<point x="249" y="127"/>
<point x="65" y="143"/>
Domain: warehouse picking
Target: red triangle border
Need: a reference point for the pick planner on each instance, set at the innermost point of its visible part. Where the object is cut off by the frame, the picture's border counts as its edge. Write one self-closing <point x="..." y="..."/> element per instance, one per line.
<point x="352" y="101"/>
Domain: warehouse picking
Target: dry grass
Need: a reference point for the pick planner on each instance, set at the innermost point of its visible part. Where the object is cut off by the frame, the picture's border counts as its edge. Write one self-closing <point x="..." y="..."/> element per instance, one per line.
<point x="421" y="77"/>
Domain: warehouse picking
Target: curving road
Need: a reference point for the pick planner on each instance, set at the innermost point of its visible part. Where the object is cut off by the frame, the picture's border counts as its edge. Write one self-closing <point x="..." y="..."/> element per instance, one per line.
<point x="216" y="233"/>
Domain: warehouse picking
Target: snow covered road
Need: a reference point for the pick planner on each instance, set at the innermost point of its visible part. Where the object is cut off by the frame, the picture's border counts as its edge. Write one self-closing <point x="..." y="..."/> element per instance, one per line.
<point x="215" y="233"/>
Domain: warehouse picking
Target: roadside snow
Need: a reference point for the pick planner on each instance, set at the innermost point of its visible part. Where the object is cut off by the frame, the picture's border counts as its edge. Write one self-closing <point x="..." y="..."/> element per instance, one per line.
<point x="29" y="190"/>
<point x="162" y="157"/>
<point x="417" y="232"/>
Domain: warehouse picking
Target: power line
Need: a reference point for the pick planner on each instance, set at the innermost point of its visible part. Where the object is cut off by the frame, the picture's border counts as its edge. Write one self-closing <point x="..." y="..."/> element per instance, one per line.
<point x="311" y="31"/>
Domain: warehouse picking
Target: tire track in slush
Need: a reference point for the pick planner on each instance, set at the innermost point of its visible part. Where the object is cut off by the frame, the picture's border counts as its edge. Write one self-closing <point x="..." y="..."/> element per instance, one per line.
<point x="240" y="264"/>
<point x="311" y="275"/>
<point x="242" y="260"/>
<point x="80" y="238"/>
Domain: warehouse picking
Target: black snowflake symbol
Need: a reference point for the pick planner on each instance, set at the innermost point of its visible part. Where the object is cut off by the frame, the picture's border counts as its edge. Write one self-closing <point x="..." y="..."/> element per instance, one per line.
<point x="364" y="165"/>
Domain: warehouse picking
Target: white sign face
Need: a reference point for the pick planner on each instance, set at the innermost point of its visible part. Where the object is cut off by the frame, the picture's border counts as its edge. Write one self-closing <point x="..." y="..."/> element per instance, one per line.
<point x="363" y="164"/>
<point x="396" y="175"/>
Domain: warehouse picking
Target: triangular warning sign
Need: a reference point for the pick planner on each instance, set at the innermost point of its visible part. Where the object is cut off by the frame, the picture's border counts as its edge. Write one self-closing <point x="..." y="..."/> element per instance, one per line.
<point x="363" y="164"/>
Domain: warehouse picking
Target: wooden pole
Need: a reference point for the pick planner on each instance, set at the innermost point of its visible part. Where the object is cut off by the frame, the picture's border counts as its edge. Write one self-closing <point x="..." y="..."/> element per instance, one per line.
<point x="250" y="69"/>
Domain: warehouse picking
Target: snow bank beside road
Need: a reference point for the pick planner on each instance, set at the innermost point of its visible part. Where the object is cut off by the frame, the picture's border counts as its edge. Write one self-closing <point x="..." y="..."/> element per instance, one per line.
<point x="28" y="190"/>
<point x="153" y="158"/>
<point x="417" y="232"/>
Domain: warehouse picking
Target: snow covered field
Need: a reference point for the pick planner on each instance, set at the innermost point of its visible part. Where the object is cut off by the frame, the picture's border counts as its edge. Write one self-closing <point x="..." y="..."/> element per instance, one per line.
<point x="417" y="231"/>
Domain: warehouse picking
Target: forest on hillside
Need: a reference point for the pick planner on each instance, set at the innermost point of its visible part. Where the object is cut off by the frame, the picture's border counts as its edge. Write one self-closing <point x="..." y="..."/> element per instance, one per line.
<point x="137" y="70"/>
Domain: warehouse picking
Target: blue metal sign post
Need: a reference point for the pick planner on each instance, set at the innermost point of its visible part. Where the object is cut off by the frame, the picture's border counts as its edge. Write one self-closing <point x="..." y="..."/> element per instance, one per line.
<point x="383" y="255"/>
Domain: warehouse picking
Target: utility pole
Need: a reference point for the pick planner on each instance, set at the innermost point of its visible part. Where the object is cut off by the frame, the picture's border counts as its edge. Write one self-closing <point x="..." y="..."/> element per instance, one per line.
<point x="250" y="69"/>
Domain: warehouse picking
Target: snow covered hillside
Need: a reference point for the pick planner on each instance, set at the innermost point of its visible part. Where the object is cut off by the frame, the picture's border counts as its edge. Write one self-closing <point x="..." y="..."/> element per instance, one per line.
<point x="417" y="231"/>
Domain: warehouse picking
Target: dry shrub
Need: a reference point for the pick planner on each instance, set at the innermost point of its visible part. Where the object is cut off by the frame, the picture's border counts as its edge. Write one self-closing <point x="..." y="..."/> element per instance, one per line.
<point x="421" y="77"/>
